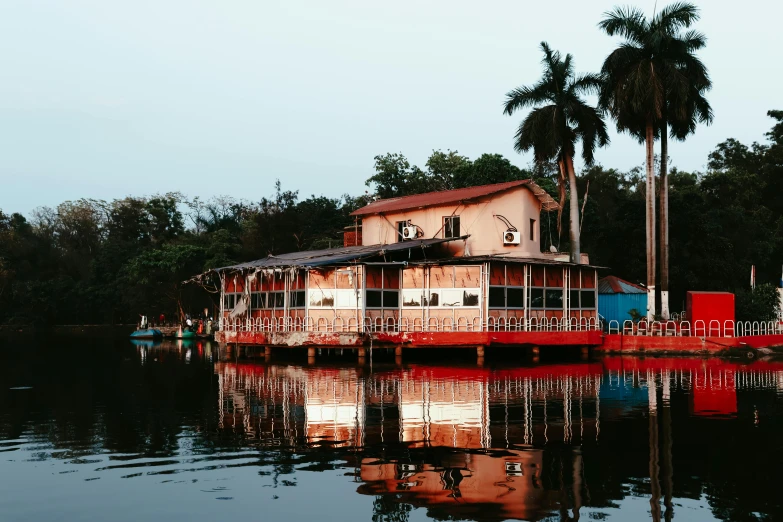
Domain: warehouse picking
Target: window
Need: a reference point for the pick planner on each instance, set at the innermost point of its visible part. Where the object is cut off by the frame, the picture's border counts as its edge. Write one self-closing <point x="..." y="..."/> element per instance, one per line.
<point x="451" y="226"/>
<point x="296" y="299"/>
<point x="230" y="300"/>
<point x="382" y="287"/>
<point x="532" y="230"/>
<point x="470" y="298"/>
<point x="451" y="297"/>
<point x="584" y="299"/>
<point x="412" y="297"/>
<point x="515" y="297"/>
<point x="497" y="297"/>
<point x="391" y="299"/>
<point x="276" y="300"/>
<point x="258" y="300"/>
<point x="554" y="299"/>
<point x="347" y="299"/>
<point x="573" y="299"/>
<point x="321" y="298"/>
<point x="374" y="298"/>
<point x="536" y="298"/>
<point x="588" y="299"/>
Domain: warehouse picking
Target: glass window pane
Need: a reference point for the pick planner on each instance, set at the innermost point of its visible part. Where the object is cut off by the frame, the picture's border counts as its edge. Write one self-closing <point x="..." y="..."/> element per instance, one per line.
<point x="536" y="298"/>
<point x="515" y="297"/>
<point x="470" y="298"/>
<point x="497" y="297"/>
<point x="374" y="298"/>
<point x="434" y="299"/>
<point x="411" y="297"/>
<point x="451" y="297"/>
<point x="451" y="226"/>
<point x="296" y="299"/>
<point x="554" y="299"/>
<point x="574" y="297"/>
<point x="588" y="298"/>
<point x="391" y="299"/>
<point x="316" y="298"/>
<point x="346" y="299"/>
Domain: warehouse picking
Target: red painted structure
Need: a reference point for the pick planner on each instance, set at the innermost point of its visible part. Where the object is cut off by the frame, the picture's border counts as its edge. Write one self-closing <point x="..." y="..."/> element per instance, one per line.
<point x="412" y="339"/>
<point x="709" y="306"/>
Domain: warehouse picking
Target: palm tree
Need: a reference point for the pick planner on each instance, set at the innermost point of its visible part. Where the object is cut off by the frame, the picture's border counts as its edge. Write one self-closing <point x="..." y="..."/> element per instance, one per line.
<point x="654" y="87"/>
<point x="559" y="118"/>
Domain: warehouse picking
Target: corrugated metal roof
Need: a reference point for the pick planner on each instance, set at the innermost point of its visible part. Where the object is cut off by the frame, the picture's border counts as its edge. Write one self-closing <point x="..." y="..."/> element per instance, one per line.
<point x="444" y="197"/>
<point x="615" y="285"/>
<point x="333" y="256"/>
<point x="497" y="258"/>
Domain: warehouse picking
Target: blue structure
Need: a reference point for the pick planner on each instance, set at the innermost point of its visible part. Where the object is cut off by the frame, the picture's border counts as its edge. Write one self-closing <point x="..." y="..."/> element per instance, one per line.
<point x="147" y="333"/>
<point x="616" y="297"/>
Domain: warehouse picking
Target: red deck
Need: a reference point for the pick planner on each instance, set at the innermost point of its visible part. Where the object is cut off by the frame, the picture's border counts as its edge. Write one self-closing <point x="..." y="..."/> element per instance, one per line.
<point x="615" y="343"/>
<point x="671" y="344"/>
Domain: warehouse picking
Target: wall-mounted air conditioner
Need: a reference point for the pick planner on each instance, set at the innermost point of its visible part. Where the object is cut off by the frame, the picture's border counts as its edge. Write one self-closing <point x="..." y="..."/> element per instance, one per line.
<point x="511" y="237"/>
<point x="409" y="232"/>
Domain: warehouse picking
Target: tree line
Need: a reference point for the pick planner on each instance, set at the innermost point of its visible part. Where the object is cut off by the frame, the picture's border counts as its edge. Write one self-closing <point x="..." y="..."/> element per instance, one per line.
<point x="91" y="261"/>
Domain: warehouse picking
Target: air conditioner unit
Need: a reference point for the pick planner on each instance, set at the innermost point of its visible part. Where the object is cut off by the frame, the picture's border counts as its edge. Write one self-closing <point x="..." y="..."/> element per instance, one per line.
<point x="511" y="237"/>
<point x="409" y="232"/>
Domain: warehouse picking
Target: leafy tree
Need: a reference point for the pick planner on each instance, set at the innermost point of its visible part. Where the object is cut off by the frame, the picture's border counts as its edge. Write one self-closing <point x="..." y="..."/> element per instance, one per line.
<point x="759" y="304"/>
<point x="443" y="168"/>
<point x="559" y="119"/>
<point x="394" y="177"/>
<point x="488" y="169"/>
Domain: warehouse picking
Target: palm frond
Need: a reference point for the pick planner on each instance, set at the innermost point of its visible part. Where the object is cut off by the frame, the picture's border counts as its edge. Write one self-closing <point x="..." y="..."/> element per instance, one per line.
<point x="628" y="22"/>
<point x="586" y="84"/>
<point x="675" y="16"/>
<point x="694" y="40"/>
<point x="527" y="96"/>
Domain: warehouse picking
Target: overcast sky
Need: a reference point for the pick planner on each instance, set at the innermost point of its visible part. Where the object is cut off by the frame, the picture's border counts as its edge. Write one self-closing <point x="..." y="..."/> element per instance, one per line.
<point x="104" y="99"/>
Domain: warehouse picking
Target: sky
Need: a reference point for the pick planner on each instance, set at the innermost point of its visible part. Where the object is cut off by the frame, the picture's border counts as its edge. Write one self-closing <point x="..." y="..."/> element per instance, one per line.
<point x="105" y="99"/>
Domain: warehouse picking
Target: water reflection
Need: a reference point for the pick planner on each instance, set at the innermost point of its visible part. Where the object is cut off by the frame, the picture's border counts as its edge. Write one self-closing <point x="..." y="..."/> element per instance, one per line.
<point x="655" y="438"/>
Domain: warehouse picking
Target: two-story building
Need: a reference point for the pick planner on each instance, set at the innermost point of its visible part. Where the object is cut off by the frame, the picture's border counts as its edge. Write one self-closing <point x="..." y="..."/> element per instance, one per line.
<point x="448" y="263"/>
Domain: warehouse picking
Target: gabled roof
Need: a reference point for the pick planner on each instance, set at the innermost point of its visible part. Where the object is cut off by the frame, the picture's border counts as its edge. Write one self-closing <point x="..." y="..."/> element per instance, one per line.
<point x="334" y="256"/>
<point x="444" y="197"/>
<point x="615" y="285"/>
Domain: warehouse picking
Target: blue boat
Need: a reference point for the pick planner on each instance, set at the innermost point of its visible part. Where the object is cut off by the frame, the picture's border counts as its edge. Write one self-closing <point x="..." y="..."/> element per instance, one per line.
<point x="147" y="333"/>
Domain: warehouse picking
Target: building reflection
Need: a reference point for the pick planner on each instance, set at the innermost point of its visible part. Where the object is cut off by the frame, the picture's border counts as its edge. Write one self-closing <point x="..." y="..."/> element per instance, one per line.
<point x="486" y="444"/>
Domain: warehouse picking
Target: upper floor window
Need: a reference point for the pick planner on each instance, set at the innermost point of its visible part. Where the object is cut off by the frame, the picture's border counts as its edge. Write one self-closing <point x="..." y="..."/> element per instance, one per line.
<point x="532" y="230"/>
<point x="451" y="226"/>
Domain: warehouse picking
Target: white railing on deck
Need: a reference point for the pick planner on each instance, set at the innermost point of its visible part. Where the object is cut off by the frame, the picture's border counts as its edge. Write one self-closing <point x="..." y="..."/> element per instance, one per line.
<point x="390" y="324"/>
<point x="671" y="328"/>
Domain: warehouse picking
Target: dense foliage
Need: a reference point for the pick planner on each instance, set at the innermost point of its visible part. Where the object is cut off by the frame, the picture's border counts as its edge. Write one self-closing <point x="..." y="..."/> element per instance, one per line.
<point x="92" y="261"/>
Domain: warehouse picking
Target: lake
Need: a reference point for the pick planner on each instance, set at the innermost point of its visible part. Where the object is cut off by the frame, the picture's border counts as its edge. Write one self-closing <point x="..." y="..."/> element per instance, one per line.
<point x="126" y="432"/>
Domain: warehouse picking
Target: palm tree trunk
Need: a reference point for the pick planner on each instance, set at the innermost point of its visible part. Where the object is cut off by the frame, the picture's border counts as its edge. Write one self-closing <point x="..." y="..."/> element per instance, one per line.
<point x="561" y="188"/>
<point x="576" y="254"/>
<point x="650" y="221"/>
<point x="663" y="249"/>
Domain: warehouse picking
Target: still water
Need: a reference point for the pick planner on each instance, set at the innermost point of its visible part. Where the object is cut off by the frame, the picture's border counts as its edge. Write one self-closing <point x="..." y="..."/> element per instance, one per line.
<point x="125" y="432"/>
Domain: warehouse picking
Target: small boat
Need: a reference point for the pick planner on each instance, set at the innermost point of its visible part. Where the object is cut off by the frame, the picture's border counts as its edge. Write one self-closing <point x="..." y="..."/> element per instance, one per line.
<point x="185" y="334"/>
<point x="147" y="333"/>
